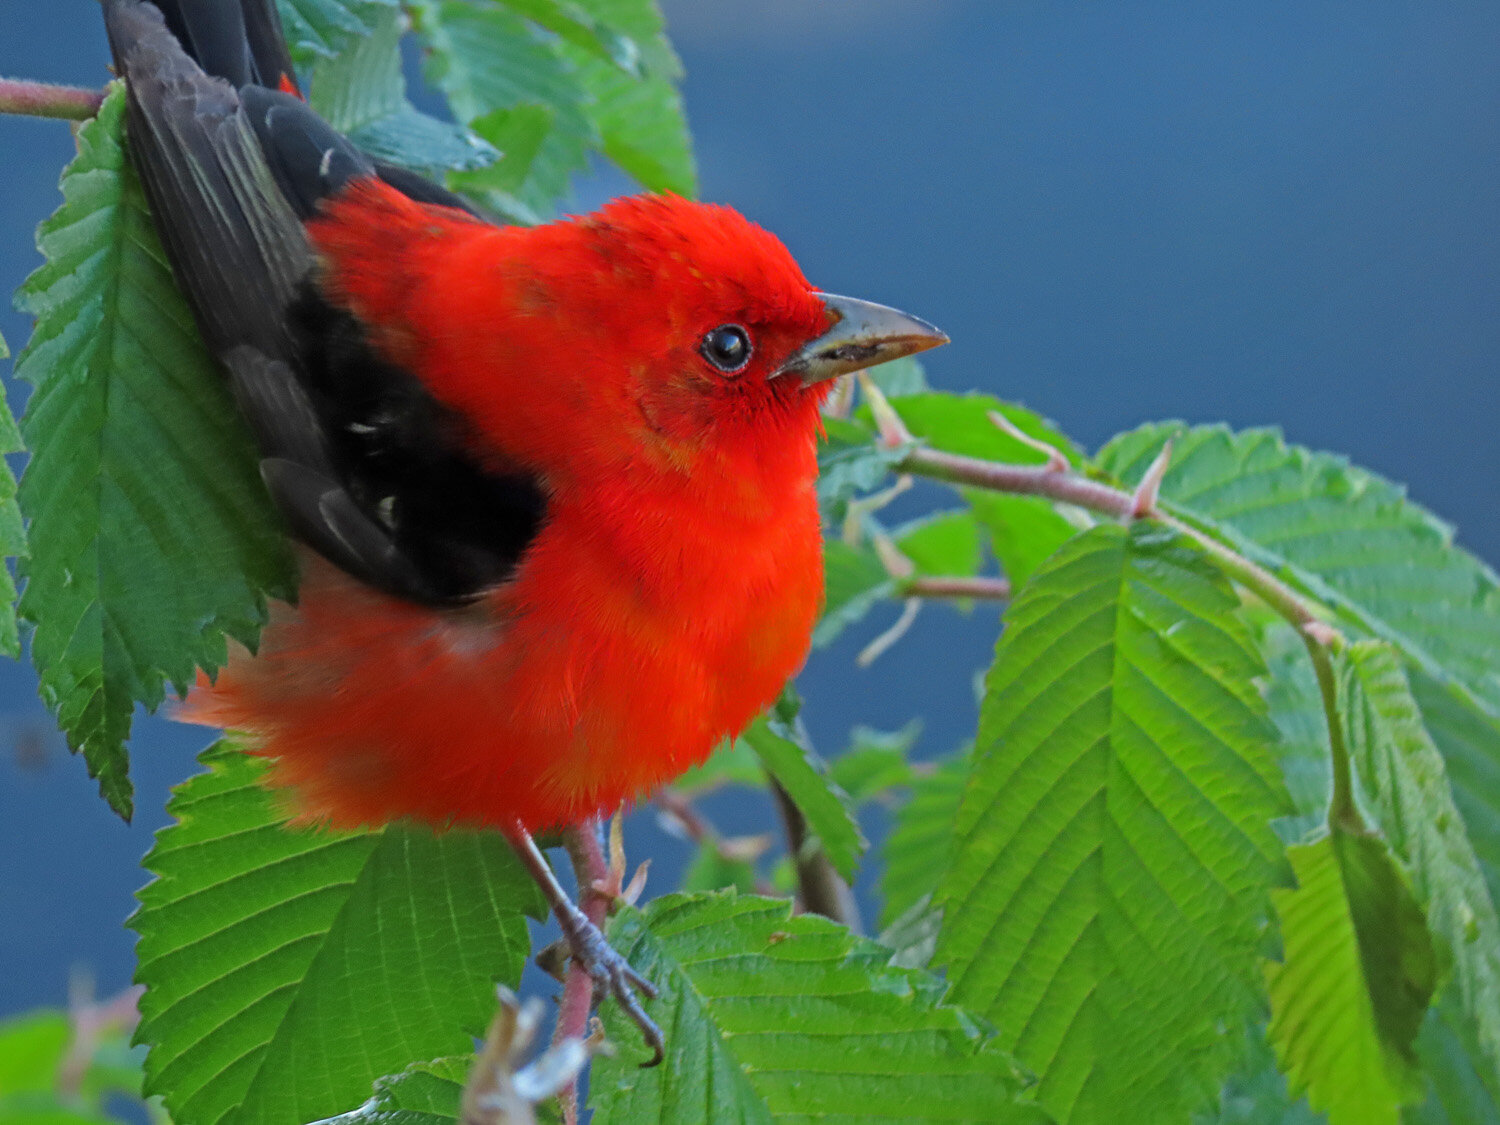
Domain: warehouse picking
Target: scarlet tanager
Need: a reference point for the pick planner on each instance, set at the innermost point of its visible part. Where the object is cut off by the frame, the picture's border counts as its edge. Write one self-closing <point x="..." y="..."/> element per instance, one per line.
<point x="553" y="486"/>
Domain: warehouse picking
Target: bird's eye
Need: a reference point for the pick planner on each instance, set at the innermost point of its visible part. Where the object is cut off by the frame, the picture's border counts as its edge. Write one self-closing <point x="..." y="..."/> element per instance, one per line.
<point x="727" y="347"/>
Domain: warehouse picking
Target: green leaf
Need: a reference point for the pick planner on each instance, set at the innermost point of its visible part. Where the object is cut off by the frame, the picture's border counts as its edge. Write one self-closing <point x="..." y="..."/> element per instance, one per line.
<point x="1255" y="1092"/>
<point x="1357" y="973"/>
<point x="854" y="582"/>
<point x="776" y="1017"/>
<point x="152" y="536"/>
<point x="1470" y="743"/>
<point x="1108" y="895"/>
<point x="1457" y="1092"/>
<point x="1401" y="772"/>
<point x="518" y="134"/>
<point x="961" y="424"/>
<point x="1296" y="706"/>
<point x="732" y="763"/>
<point x="32" y="1047"/>
<point x="875" y="762"/>
<point x="362" y="94"/>
<point x="288" y="969"/>
<point x="912" y="936"/>
<point x="425" y="1093"/>
<point x="917" y="851"/>
<point x="324" y="28"/>
<point x="639" y="116"/>
<point x="575" y="25"/>
<point x="780" y="741"/>
<point x="486" y="58"/>
<point x="850" y="462"/>
<point x="900" y="377"/>
<point x="943" y="543"/>
<point x="1346" y="536"/>
<point x="1023" y="530"/>
<point x="711" y="870"/>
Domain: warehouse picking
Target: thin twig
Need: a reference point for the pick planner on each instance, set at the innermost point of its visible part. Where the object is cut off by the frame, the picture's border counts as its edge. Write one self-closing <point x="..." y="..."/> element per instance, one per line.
<point x="43" y="99"/>
<point x="983" y="589"/>
<point x="680" y="815"/>
<point x="820" y="888"/>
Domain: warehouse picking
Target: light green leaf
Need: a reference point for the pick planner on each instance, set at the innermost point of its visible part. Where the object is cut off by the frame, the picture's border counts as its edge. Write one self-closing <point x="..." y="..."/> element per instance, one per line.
<point x="1401" y="772"/>
<point x="900" y="377"/>
<point x="32" y="1047"/>
<point x="362" y="94"/>
<point x="961" y="424"/>
<point x="943" y="543"/>
<point x="912" y="936"/>
<point x="776" y="1017"/>
<point x="288" y="969"/>
<point x="917" y="851"/>
<point x="518" y="133"/>
<point x="1023" y="530"/>
<point x="712" y="870"/>
<point x="152" y="536"/>
<point x="486" y="58"/>
<point x="1296" y="707"/>
<point x="1357" y="973"/>
<point x="780" y="741"/>
<point x="1108" y="896"/>
<point x="639" y="117"/>
<point x="324" y="28"/>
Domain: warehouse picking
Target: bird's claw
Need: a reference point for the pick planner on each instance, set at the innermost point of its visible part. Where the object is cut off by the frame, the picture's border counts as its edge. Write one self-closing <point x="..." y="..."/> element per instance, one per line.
<point x="615" y="976"/>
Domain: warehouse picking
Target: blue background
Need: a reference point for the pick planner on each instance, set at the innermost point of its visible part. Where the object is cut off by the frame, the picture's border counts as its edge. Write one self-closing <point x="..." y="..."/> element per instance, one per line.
<point x="1258" y="212"/>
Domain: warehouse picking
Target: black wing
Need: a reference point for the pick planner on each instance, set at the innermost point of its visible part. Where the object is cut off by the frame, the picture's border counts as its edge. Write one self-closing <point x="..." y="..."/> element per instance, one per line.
<point x="367" y="467"/>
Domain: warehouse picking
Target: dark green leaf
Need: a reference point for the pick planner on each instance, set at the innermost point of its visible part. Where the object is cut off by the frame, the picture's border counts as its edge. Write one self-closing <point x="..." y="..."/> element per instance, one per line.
<point x="1457" y="1092"/>
<point x="151" y="533"/>
<point x="362" y="93"/>
<point x="1255" y="1093"/>
<point x="1401" y="772"/>
<point x="518" y="133"/>
<point x="425" y="1093"/>
<point x="781" y="743"/>
<point x="288" y="969"/>
<point x="573" y="24"/>
<point x="1108" y="894"/>
<point x="1023" y="530"/>
<point x="776" y="1017"/>
<point x="1357" y="973"/>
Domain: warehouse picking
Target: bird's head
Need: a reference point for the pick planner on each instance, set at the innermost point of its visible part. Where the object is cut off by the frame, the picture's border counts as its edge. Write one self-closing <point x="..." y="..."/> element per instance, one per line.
<point x="707" y="325"/>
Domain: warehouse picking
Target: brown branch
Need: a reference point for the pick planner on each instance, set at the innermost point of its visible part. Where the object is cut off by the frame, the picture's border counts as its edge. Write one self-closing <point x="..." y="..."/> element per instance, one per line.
<point x="43" y="99"/>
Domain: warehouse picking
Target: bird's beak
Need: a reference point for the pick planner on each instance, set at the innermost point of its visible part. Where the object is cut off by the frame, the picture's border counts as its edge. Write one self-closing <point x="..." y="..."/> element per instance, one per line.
<point x="863" y="334"/>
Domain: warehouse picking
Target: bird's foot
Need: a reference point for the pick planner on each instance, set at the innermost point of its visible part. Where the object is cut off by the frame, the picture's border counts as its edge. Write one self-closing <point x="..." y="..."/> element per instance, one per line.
<point x="612" y="975"/>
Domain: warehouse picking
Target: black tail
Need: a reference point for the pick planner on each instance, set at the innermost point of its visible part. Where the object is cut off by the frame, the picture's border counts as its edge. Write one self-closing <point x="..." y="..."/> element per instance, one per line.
<point x="240" y="41"/>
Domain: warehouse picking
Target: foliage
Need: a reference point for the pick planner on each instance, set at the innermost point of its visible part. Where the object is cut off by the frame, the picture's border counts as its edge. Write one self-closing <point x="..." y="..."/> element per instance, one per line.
<point x="1225" y="847"/>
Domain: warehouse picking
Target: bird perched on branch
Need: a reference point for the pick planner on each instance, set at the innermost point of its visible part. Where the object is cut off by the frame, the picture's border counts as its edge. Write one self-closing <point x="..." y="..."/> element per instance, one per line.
<point x="554" y="486"/>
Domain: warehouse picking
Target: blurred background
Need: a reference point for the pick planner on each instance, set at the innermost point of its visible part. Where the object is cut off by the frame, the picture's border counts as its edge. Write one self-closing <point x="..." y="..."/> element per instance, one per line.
<point x="1263" y="213"/>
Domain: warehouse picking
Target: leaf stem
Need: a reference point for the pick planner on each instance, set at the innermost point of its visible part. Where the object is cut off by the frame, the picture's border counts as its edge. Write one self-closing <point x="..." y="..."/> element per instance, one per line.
<point x="1343" y="812"/>
<point x="980" y="589"/>
<point x="43" y="99"/>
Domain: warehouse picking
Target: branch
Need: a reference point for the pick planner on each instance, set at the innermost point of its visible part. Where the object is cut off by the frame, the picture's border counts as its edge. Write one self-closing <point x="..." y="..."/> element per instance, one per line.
<point x="1070" y="488"/>
<point x="820" y="888"/>
<point x="43" y="99"/>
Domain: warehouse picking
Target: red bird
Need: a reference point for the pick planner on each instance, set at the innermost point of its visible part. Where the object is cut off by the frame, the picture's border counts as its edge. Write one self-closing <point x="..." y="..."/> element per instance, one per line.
<point x="554" y="485"/>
